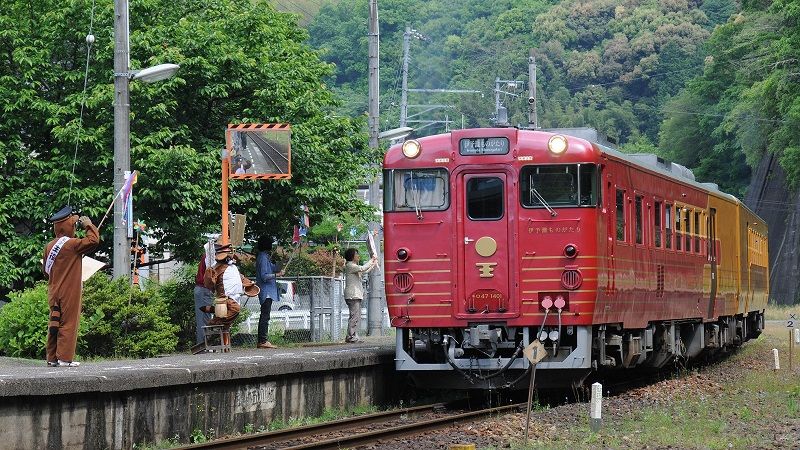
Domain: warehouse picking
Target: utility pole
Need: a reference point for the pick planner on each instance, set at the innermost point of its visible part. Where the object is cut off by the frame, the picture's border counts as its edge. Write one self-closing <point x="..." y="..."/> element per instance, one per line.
<point x="375" y="301"/>
<point x="404" y="88"/>
<point x="533" y="119"/>
<point x="407" y="35"/>
<point x="501" y="112"/>
<point x="122" y="142"/>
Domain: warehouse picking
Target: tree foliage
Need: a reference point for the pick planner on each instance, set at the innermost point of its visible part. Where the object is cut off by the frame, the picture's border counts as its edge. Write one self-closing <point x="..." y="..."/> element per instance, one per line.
<point x="241" y="61"/>
<point x="747" y="101"/>
<point x="610" y="65"/>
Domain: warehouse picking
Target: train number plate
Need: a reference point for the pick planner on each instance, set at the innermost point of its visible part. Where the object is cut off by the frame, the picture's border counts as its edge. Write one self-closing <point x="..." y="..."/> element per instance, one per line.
<point x="487" y="300"/>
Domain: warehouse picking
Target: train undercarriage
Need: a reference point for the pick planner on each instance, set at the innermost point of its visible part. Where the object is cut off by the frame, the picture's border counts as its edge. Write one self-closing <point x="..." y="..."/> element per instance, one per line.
<point x="490" y="355"/>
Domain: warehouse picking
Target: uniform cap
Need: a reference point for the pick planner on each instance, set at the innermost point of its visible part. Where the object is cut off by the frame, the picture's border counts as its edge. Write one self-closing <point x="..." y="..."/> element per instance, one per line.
<point x="62" y="214"/>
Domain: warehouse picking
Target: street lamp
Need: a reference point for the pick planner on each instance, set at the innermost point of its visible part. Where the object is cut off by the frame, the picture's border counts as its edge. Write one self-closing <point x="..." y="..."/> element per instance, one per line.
<point x="395" y="133"/>
<point x="122" y="127"/>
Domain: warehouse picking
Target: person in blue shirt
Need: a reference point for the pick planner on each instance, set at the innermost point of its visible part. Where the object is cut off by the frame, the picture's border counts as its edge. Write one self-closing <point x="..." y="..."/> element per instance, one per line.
<point x="265" y="277"/>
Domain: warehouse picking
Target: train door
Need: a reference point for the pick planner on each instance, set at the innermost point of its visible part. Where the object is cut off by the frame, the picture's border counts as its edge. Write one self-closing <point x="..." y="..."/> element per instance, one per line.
<point x="712" y="258"/>
<point x="485" y="210"/>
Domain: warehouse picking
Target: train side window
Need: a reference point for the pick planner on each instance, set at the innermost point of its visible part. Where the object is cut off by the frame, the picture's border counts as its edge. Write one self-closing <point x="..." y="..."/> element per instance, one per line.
<point x="687" y="231"/>
<point x="588" y="186"/>
<point x="668" y="225"/>
<point x="697" y="248"/>
<point x="638" y="211"/>
<point x="657" y="224"/>
<point x="678" y="240"/>
<point x="485" y="198"/>
<point x="416" y="190"/>
<point x="620" y="215"/>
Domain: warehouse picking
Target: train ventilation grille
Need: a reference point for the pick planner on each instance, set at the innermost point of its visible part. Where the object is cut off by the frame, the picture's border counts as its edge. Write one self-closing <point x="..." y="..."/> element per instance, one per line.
<point x="403" y="282"/>
<point x="571" y="279"/>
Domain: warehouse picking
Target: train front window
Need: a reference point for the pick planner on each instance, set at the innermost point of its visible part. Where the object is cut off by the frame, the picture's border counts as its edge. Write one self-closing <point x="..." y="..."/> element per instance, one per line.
<point x="485" y="198"/>
<point x="559" y="185"/>
<point x="416" y="190"/>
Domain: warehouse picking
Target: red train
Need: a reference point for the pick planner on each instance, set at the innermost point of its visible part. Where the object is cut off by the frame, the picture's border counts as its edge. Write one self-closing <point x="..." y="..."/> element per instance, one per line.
<point x="497" y="236"/>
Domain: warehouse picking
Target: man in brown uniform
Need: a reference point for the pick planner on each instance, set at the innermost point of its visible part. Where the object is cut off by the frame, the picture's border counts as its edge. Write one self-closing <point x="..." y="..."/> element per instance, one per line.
<point x="62" y="264"/>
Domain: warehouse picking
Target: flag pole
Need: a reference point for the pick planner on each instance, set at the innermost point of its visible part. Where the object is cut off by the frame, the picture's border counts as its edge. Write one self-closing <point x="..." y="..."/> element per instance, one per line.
<point x="109" y="207"/>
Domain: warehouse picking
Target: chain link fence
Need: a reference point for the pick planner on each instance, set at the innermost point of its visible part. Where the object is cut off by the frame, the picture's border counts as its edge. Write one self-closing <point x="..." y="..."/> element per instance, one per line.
<point x="310" y="309"/>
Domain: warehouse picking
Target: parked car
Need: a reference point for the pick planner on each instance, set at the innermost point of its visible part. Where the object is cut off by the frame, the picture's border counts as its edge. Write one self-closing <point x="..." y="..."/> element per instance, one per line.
<point x="287" y="293"/>
<point x="288" y="296"/>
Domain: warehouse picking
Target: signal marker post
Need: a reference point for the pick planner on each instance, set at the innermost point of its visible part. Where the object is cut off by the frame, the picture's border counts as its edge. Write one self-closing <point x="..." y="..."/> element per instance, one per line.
<point x="534" y="352"/>
<point x="794" y="333"/>
<point x="596" y="407"/>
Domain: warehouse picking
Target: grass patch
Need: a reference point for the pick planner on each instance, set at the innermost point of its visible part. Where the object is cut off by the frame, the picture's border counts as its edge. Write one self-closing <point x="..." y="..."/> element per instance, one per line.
<point x="781" y="312"/>
<point x="328" y="415"/>
<point x="741" y="403"/>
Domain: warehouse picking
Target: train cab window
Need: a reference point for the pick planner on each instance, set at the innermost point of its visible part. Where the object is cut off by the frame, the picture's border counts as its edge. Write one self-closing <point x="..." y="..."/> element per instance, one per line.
<point x="415" y="190"/>
<point x="668" y="225"/>
<point x="657" y="224"/>
<point x="620" y="215"/>
<point x="565" y="185"/>
<point x="697" y="248"/>
<point x="638" y="211"/>
<point x="678" y="240"/>
<point x="485" y="198"/>
<point x="687" y="231"/>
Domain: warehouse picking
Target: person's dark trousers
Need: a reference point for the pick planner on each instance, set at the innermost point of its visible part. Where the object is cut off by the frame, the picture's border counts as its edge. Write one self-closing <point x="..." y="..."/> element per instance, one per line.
<point x="263" y="321"/>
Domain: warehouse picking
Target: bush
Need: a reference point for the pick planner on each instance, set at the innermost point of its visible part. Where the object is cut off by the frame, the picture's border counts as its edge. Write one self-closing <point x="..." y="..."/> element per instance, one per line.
<point x="178" y="293"/>
<point x="24" y="323"/>
<point x="130" y="322"/>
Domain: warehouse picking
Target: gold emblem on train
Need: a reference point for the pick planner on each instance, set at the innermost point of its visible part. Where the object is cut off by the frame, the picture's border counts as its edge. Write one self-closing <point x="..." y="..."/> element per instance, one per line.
<point x="486" y="246"/>
<point x="486" y="269"/>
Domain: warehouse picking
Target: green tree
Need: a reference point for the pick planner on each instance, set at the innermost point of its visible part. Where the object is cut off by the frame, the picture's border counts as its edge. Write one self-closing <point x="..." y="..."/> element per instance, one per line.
<point x="241" y="61"/>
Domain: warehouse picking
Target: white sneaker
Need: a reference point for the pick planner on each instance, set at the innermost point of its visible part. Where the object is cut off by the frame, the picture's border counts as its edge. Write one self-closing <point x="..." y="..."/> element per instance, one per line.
<point x="68" y="363"/>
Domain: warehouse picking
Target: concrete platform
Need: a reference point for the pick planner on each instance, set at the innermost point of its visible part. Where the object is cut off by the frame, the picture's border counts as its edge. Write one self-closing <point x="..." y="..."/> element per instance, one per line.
<point x="122" y="403"/>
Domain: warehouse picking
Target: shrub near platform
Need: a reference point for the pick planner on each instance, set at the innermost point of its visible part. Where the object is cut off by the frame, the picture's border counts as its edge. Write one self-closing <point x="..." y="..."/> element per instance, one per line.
<point x="131" y="322"/>
<point x="23" y="324"/>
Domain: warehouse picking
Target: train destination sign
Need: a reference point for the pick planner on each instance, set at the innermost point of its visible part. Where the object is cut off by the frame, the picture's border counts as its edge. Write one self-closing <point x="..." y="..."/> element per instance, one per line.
<point x="483" y="146"/>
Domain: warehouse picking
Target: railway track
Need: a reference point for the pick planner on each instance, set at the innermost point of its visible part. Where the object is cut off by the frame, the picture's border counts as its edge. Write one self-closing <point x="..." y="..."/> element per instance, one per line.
<point x="353" y="432"/>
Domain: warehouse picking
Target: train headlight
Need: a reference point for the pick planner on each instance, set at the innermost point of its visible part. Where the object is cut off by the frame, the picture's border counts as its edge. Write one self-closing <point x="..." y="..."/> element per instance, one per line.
<point x="411" y="148"/>
<point x="557" y="144"/>
<point x="570" y="251"/>
<point x="402" y="254"/>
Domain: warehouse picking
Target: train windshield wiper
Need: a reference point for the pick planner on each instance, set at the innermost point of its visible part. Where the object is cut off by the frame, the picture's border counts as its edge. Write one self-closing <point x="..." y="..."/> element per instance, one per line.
<point x="415" y="194"/>
<point x="543" y="201"/>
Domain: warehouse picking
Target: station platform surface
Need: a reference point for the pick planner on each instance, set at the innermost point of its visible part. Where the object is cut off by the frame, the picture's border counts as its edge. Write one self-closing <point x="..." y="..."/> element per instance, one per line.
<point x="24" y="377"/>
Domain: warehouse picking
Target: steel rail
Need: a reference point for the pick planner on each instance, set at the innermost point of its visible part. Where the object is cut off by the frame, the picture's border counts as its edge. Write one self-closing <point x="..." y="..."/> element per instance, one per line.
<point x="370" y="437"/>
<point x="289" y="434"/>
<point x="285" y="160"/>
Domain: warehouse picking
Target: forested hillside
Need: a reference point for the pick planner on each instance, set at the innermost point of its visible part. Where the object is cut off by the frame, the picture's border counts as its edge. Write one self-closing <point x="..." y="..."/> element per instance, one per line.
<point x="648" y="73"/>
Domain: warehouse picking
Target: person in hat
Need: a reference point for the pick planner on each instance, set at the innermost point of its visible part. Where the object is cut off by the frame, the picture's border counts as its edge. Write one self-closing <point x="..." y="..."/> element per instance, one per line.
<point x="227" y="283"/>
<point x="265" y="277"/>
<point x="62" y="264"/>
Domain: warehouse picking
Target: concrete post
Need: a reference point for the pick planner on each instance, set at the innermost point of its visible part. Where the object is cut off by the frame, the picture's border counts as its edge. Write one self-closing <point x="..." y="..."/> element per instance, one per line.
<point x="375" y="299"/>
<point x="122" y="157"/>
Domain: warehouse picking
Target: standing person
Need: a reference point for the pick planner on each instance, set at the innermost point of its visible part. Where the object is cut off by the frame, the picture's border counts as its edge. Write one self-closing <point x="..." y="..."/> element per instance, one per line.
<point x="63" y="265"/>
<point x="353" y="291"/>
<point x="202" y="297"/>
<point x="265" y="278"/>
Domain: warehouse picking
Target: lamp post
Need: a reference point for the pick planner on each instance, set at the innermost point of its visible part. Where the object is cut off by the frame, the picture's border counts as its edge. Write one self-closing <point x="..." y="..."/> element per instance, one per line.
<point x="122" y="127"/>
